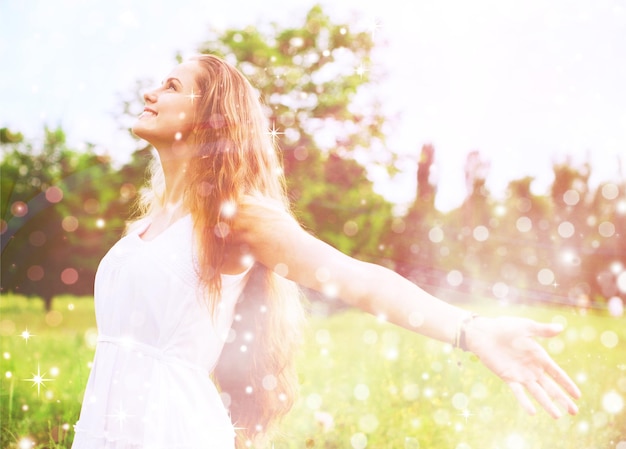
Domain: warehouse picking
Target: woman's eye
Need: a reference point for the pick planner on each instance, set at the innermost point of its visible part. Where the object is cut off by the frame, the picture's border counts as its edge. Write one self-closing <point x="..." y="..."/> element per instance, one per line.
<point x="171" y="86"/>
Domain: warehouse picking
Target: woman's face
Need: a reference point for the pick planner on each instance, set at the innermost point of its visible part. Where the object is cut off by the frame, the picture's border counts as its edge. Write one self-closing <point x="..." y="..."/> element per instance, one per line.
<point x="169" y="111"/>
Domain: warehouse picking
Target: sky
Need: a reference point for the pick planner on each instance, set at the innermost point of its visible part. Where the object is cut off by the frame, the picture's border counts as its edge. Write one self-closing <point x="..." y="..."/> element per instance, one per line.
<point x="528" y="84"/>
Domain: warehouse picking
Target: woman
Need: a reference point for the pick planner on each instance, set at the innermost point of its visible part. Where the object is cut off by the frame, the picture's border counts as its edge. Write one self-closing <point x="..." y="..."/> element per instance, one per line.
<point x="205" y="282"/>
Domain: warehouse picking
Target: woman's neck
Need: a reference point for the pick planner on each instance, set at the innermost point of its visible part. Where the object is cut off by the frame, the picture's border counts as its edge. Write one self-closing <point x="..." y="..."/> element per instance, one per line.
<point x="175" y="162"/>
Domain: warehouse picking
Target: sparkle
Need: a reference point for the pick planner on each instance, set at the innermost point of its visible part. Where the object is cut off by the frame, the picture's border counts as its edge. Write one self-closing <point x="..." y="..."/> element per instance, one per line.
<point x="374" y="26"/>
<point x="39" y="380"/>
<point x="192" y="96"/>
<point x="274" y="132"/>
<point x="466" y="414"/>
<point x="120" y="415"/>
<point x="360" y="70"/>
<point x="26" y="335"/>
<point x="26" y="443"/>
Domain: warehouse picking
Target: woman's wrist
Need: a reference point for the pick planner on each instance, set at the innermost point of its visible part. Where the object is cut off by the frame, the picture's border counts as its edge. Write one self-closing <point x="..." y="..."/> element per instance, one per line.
<point x="461" y="340"/>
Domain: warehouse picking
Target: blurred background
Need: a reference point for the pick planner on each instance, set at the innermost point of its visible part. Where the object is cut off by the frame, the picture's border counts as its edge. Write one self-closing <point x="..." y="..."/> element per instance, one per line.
<point x="476" y="148"/>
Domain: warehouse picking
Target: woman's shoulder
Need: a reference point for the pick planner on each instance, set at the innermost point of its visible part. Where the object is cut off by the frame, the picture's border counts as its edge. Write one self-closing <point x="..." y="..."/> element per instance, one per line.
<point x="136" y="225"/>
<point x="259" y="216"/>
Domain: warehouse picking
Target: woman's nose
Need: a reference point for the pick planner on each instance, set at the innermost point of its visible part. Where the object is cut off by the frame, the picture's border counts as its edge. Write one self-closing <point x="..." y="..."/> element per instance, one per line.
<point x="149" y="97"/>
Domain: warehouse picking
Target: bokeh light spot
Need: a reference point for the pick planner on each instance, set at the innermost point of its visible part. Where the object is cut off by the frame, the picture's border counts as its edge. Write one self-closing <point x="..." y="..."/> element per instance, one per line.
<point x="621" y="281"/>
<point x="524" y="224"/>
<point x="358" y="440"/>
<point x="480" y="233"/>
<point x="350" y="228"/>
<point x="361" y="392"/>
<point x="460" y="401"/>
<point x="69" y="276"/>
<point x="398" y="225"/>
<point x="411" y="443"/>
<point x="54" y="318"/>
<point x="612" y="402"/>
<point x="70" y="223"/>
<point x="454" y="278"/>
<point x="416" y="319"/>
<point x="500" y="290"/>
<point x="91" y="337"/>
<point x="411" y="392"/>
<point x="54" y="194"/>
<point x="269" y="382"/>
<point x="610" y="191"/>
<point x="545" y="276"/>
<point x="314" y="401"/>
<point x="616" y="306"/>
<point x="556" y="346"/>
<point x="515" y="441"/>
<point x="322" y="274"/>
<point x="479" y="391"/>
<point x="35" y="273"/>
<point x="571" y="197"/>
<point x="19" y="209"/>
<point x="128" y="191"/>
<point x="588" y="333"/>
<point x="566" y="229"/>
<point x="37" y="238"/>
<point x="606" y="229"/>
<point x="221" y="230"/>
<point x="435" y="234"/>
<point x="281" y="269"/>
<point x="609" y="339"/>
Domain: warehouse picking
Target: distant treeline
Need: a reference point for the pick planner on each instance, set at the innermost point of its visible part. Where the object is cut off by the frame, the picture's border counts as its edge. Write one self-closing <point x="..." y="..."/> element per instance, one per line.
<point x="62" y="209"/>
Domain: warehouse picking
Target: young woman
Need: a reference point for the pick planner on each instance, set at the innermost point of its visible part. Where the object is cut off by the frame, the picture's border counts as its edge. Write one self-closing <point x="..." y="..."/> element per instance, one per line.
<point x="202" y="288"/>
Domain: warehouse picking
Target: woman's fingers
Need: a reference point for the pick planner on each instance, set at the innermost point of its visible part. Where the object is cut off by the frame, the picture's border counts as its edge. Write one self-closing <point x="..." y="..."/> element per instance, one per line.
<point x="557" y="395"/>
<point x="522" y="398"/>
<point x="547" y="394"/>
<point x="545" y="329"/>
<point x="543" y="398"/>
<point x="562" y="379"/>
<point x="555" y="371"/>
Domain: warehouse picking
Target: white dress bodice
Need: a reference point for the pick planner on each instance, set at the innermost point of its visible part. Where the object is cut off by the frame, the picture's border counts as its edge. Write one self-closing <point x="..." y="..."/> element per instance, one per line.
<point x="149" y="386"/>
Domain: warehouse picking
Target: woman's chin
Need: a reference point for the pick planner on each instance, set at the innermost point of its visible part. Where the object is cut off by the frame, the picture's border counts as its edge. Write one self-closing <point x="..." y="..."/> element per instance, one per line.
<point x="139" y="131"/>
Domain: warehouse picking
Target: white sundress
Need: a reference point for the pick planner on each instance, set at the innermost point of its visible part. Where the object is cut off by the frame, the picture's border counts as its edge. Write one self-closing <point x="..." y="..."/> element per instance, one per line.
<point x="149" y="386"/>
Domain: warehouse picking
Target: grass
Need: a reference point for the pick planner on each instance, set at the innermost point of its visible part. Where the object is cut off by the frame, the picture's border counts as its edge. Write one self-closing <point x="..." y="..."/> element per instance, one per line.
<point x="364" y="384"/>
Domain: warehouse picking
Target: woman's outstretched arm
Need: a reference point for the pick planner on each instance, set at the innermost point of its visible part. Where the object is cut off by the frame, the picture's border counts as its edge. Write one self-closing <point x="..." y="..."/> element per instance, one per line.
<point x="506" y="345"/>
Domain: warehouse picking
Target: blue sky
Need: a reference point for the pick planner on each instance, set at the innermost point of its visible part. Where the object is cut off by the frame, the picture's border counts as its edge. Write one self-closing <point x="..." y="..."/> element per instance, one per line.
<point x="525" y="83"/>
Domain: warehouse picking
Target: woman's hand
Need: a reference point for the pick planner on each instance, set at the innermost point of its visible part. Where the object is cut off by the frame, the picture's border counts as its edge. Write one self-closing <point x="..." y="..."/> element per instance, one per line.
<point x="507" y="346"/>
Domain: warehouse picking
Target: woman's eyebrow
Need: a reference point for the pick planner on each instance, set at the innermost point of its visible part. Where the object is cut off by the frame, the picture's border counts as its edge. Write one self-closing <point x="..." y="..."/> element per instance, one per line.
<point x="172" y="79"/>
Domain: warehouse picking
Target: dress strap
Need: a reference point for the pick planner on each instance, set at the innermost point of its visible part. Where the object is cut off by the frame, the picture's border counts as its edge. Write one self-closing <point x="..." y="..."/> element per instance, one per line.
<point x="146" y="350"/>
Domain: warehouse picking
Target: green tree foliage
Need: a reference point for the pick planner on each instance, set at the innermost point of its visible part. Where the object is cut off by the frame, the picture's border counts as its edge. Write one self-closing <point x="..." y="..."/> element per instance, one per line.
<point x="61" y="210"/>
<point x="311" y="78"/>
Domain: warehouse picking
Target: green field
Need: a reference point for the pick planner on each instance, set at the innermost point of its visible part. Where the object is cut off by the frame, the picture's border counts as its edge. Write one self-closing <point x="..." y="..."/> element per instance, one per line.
<point x="365" y="384"/>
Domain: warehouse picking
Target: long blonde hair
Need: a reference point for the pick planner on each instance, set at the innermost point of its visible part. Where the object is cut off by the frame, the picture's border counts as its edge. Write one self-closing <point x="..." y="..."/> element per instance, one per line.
<point x="235" y="157"/>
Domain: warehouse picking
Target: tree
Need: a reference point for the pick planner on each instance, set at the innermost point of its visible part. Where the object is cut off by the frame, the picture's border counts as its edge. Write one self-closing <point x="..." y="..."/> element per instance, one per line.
<point x="312" y="79"/>
<point x="61" y="210"/>
<point x="415" y="239"/>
